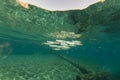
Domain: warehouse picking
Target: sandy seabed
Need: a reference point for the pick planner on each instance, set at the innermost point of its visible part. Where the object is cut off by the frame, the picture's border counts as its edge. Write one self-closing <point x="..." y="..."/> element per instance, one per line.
<point x="40" y="67"/>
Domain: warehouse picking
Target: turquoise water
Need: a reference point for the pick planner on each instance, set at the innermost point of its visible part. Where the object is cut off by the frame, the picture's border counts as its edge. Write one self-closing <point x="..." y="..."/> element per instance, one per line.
<point x="24" y="50"/>
<point x="26" y="55"/>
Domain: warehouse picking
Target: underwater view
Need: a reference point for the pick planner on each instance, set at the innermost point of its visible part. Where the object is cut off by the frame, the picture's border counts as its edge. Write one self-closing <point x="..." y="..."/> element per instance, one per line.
<point x="60" y="40"/>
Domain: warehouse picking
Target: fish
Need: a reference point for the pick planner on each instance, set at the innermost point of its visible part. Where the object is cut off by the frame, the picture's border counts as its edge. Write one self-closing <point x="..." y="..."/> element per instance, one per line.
<point x="70" y="43"/>
<point x="53" y="46"/>
<point x="65" y="47"/>
<point x="61" y="48"/>
<point x="63" y="44"/>
<point x="58" y="5"/>
<point x="60" y="41"/>
<point x="57" y="49"/>
<point x="77" y="42"/>
<point x="49" y="43"/>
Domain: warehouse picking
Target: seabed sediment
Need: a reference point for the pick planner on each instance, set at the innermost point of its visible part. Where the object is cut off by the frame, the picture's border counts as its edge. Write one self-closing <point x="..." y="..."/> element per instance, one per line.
<point x="43" y="67"/>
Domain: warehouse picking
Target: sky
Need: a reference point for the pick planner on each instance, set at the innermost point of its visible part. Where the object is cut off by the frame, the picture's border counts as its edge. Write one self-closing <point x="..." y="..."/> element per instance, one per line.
<point x="61" y="5"/>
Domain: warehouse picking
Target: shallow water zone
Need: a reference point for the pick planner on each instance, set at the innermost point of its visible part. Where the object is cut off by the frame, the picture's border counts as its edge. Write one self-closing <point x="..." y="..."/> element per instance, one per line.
<point x="36" y="44"/>
<point x="26" y="58"/>
<point x="42" y="67"/>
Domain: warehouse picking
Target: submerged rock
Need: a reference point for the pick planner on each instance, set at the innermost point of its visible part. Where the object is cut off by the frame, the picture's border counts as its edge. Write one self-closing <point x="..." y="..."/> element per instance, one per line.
<point x="95" y="76"/>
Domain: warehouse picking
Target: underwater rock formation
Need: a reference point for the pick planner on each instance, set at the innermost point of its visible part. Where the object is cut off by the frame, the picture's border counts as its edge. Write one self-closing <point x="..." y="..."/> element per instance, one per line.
<point x="81" y="69"/>
<point x="95" y="76"/>
<point x="84" y="73"/>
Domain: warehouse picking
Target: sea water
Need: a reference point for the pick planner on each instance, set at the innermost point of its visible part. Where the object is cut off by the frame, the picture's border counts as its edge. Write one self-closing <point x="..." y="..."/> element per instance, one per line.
<point x="24" y="56"/>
